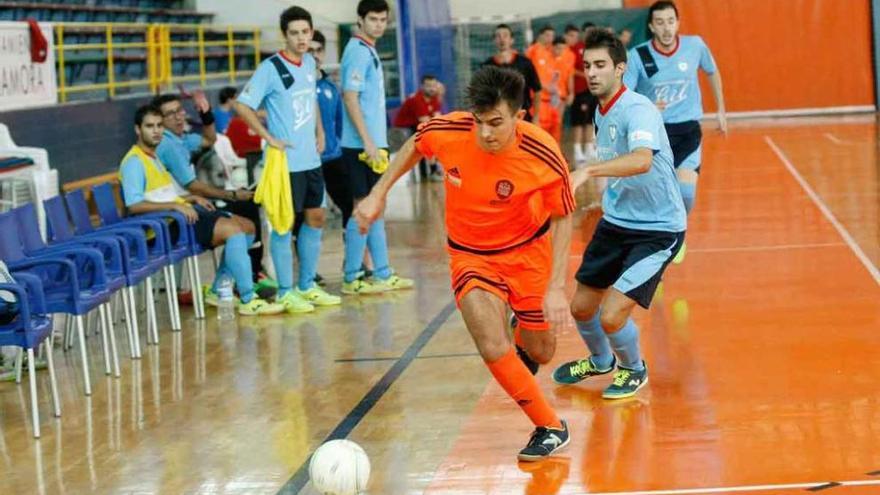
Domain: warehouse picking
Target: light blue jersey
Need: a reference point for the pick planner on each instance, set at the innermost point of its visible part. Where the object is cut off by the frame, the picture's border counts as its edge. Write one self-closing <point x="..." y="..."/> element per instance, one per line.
<point x="291" y="105"/>
<point x="649" y="201"/>
<point x="175" y="152"/>
<point x="671" y="78"/>
<point x="362" y="73"/>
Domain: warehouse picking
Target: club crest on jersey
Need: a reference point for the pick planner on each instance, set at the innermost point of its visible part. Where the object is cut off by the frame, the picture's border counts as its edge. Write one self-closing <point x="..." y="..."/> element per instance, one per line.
<point x="682" y="66"/>
<point x="612" y="132"/>
<point x="454" y="176"/>
<point x="504" y="188"/>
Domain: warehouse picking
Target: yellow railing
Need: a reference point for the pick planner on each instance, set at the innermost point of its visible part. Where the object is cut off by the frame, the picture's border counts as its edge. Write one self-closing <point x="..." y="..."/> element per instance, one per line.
<point x="159" y="51"/>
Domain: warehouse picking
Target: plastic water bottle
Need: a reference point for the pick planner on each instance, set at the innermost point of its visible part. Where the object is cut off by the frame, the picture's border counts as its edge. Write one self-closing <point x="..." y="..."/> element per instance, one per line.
<point x="226" y="307"/>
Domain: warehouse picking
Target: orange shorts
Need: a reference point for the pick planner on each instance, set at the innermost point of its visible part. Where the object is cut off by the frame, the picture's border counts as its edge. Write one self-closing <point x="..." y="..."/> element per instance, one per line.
<point x="550" y="120"/>
<point x="519" y="276"/>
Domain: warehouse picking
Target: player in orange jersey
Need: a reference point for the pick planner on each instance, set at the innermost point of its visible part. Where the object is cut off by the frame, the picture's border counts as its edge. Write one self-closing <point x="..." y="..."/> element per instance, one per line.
<point x="508" y="217"/>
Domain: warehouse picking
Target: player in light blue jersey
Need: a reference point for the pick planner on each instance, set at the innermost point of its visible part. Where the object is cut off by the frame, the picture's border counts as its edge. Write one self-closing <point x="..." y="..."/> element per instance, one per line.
<point x="285" y="85"/>
<point x="642" y="228"/>
<point x="665" y="69"/>
<point x="364" y="142"/>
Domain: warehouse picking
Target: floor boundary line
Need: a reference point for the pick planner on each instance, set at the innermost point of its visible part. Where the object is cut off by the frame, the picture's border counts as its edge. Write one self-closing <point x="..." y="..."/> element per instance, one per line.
<point x="860" y="254"/>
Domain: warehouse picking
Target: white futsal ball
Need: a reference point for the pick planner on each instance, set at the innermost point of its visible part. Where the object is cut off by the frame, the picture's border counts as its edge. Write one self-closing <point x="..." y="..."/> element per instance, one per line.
<point x="340" y="467"/>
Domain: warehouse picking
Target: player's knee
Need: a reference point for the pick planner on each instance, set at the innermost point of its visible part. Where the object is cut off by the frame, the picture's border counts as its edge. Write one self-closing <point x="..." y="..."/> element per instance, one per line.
<point x="316" y="218"/>
<point x="227" y="228"/>
<point x="581" y="310"/>
<point x="492" y="348"/>
<point x="542" y="350"/>
<point x="246" y="225"/>
<point x="612" y="320"/>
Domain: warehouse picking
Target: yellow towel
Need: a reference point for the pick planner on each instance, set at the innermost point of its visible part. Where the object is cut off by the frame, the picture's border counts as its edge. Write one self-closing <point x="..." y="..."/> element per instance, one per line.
<point x="379" y="166"/>
<point x="273" y="191"/>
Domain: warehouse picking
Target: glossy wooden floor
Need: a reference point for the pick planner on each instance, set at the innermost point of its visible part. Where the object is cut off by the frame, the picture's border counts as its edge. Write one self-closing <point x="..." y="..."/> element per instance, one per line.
<point x="762" y="351"/>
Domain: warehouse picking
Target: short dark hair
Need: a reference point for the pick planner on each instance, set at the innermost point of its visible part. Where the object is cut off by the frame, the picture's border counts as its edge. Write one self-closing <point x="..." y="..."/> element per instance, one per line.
<point x="428" y="77"/>
<point x="318" y="37"/>
<point x="162" y="99"/>
<point x="227" y="94"/>
<point x="558" y="40"/>
<point x="294" y="13"/>
<point x="545" y="28"/>
<point x="587" y="25"/>
<point x="504" y="26"/>
<point x="143" y="111"/>
<point x="367" y="6"/>
<point x="661" y="5"/>
<point x="491" y="85"/>
<point x="571" y="27"/>
<point x="600" y="38"/>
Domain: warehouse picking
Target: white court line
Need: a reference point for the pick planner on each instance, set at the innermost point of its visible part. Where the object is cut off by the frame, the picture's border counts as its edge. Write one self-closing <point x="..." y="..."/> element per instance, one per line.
<point x="825" y="211"/>
<point x="741" y="489"/>
<point x="834" y="139"/>
<point x="778" y="247"/>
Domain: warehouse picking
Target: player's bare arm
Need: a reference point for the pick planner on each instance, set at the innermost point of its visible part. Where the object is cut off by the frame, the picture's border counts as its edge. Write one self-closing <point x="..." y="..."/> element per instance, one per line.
<point x="634" y="163"/>
<point x="718" y="91"/>
<point x="556" y="306"/>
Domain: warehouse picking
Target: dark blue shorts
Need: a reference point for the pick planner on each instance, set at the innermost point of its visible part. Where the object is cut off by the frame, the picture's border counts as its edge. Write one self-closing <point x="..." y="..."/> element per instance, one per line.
<point x="632" y="261"/>
<point x="360" y="175"/>
<point x="686" y="140"/>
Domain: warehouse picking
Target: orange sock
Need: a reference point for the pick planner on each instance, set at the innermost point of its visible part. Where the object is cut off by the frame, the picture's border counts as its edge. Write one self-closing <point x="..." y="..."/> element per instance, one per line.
<point x="521" y="386"/>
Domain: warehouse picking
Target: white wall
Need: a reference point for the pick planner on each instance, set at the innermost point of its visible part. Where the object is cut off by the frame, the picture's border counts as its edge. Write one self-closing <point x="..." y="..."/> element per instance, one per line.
<point x="326" y="15"/>
<point x="461" y="9"/>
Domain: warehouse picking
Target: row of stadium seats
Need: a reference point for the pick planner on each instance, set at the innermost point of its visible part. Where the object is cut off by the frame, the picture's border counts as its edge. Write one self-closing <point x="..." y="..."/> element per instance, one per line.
<point x="92" y="69"/>
<point x="146" y="4"/>
<point x="159" y="12"/>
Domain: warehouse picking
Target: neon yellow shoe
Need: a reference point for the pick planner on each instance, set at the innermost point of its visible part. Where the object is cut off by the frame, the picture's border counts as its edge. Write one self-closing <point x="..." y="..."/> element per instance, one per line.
<point x="260" y="307"/>
<point x="394" y="283"/>
<point x="679" y="257"/>
<point x="319" y="297"/>
<point x="293" y="303"/>
<point x="360" y="286"/>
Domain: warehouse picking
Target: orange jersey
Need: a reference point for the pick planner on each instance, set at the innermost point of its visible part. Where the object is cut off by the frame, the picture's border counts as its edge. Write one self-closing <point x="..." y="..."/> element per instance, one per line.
<point x="544" y="61"/>
<point x="564" y="65"/>
<point x="496" y="201"/>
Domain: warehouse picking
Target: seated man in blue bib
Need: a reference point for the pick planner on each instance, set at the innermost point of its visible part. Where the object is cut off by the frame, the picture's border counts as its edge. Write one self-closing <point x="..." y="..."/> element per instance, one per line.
<point x="147" y="186"/>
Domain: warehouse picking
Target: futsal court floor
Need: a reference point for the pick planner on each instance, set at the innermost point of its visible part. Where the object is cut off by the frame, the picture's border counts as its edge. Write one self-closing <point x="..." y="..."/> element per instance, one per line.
<point x="762" y="350"/>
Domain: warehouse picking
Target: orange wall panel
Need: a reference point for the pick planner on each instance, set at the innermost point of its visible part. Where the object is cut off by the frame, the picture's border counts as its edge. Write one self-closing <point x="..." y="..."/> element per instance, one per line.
<point x="784" y="54"/>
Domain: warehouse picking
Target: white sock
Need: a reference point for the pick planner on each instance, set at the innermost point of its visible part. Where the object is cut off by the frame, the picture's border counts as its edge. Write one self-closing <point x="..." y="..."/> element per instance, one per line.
<point x="579" y="153"/>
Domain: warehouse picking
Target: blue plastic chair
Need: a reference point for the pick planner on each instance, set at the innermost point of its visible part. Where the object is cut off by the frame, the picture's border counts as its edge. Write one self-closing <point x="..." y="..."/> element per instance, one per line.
<point x="74" y="282"/>
<point x="106" y="203"/>
<point x="79" y="213"/>
<point x="140" y="259"/>
<point x="179" y="249"/>
<point x="30" y="328"/>
<point x="33" y="245"/>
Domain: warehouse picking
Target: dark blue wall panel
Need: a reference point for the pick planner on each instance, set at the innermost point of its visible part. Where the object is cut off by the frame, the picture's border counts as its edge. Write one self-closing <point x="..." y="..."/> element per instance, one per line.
<point x="83" y="139"/>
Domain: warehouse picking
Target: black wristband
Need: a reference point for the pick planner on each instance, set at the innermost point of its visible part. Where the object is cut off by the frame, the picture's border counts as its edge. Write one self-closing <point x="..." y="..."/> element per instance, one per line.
<point x="207" y="117"/>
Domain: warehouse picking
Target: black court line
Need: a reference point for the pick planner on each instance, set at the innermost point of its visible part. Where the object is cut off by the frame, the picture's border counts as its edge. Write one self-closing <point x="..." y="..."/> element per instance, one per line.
<point x="874" y="473"/>
<point x="299" y="479"/>
<point x="826" y="486"/>
<point x="429" y="356"/>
